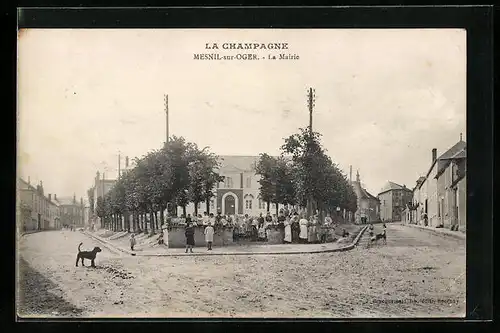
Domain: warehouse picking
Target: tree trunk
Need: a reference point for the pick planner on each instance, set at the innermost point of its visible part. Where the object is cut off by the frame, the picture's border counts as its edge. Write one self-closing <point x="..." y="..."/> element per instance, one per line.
<point x="162" y="216"/>
<point x="145" y="224"/>
<point x="207" y="202"/>
<point x="151" y="222"/>
<point x="128" y="221"/>
<point x="268" y="206"/>
<point x="156" y="220"/>
<point x="277" y="209"/>
<point x="184" y="210"/>
<point x="195" y="209"/>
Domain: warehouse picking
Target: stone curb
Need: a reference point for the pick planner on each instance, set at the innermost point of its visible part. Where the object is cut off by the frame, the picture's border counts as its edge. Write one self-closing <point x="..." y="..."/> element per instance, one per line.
<point x="105" y="243"/>
<point x="459" y="235"/>
<point x="340" y="249"/>
<point x="29" y="233"/>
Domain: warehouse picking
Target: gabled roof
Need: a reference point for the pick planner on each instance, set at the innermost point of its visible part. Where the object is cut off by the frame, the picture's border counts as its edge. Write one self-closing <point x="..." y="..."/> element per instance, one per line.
<point x="459" y="146"/>
<point x="361" y="192"/>
<point x="449" y="153"/>
<point x="244" y="163"/>
<point x="67" y="201"/>
<point x="458" y="151"/>
<point x="390" y="186"/>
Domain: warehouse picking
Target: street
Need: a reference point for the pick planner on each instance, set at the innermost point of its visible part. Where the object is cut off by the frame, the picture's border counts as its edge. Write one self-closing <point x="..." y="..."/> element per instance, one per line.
<point x="416" y="274"/>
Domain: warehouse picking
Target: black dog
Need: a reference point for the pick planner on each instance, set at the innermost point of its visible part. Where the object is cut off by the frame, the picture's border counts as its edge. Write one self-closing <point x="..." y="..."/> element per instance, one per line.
<point x="90" y="255"/>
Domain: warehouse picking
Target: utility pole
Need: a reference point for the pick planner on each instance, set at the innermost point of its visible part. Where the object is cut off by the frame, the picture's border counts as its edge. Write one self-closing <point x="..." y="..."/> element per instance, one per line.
<point x="310" y="104"/>
<point x="119" y="160"/>
<point x="166" y="116"/>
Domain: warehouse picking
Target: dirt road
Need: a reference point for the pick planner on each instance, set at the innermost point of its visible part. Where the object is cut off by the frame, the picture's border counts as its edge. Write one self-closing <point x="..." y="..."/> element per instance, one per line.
<point x="415" y="274"/>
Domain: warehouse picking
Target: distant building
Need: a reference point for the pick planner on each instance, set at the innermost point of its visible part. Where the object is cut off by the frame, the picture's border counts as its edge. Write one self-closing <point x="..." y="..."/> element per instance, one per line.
<point x="72" y="211"/>
<point x="239" y="192"/>
<point x="102" y="185"/>
<point x="368" y="205"/>
<point x="393" y="200"/>
<point x="441" y="193"/>
<point x="36" y="211"/>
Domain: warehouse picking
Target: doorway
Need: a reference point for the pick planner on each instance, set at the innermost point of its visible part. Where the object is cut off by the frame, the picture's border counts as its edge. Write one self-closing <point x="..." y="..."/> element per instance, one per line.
<point x="229" y="205"/>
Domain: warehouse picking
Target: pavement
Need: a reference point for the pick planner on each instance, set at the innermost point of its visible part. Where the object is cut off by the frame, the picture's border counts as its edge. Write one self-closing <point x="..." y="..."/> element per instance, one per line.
<point x="443" y="232"/>
<point x="416" y="274"/>
<point x="253" y="249"/>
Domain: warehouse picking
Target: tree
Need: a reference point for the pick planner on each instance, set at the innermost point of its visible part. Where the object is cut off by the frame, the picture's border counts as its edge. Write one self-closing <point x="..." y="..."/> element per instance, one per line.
<point x="90" y="195"/>
<point x="317" y="182"/>
<point x="176" y="174"/>
<point x="265" y="167"/>
<point x="100" y="210"/>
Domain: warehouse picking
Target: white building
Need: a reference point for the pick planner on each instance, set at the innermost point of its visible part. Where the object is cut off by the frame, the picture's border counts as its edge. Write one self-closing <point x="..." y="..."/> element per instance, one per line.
<point x="239" y="192"/>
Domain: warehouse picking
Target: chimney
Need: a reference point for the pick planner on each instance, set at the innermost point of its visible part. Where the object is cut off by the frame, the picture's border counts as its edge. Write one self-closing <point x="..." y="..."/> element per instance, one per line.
<point x="126" y="162"/>
<point x="50" y="197"/>
<point x="74" y="198"/>
<point x="55" y="196"/>
<point x="350" y="173"/>
<point x="460" y="136"/>
<point x="434" y="154"/>
<point x="29" y="180"/>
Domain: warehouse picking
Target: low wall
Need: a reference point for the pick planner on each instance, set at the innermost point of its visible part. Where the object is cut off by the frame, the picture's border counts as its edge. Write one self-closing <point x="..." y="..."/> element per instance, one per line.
<point x="177" y="238"/>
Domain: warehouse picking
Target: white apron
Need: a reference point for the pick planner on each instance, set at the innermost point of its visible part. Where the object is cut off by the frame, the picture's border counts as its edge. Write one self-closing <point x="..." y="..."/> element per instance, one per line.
<point x="288" y="233"/>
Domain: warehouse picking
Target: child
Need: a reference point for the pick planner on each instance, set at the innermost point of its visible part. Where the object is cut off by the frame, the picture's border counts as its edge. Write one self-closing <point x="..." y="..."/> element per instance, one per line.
<point x="132" y="242"/>
<point x="189" y="233"/>
<point x="209" y="236"/>
<point x="262" y="233"/>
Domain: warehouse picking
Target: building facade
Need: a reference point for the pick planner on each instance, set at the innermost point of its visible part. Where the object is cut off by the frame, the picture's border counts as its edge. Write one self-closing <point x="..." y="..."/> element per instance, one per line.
<point x="238" y="194"/>
<point x="368" y="205"/>
<point x="36" y="211"/>
<point x="441" y="193"/>
<point x="72" y="212"/>
<point x="393" y="199"/>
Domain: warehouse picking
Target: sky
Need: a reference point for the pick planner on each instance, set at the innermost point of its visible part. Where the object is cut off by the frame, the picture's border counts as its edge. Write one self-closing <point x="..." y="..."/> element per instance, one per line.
<point x="384" y="98"/>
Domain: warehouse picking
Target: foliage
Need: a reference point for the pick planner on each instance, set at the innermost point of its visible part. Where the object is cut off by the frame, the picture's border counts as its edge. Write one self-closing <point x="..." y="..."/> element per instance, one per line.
<point x="178" y="173"/>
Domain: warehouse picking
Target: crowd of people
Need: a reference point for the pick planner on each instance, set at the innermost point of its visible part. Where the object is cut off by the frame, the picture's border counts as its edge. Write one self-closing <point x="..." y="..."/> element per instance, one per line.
<point x="294" y="227"/>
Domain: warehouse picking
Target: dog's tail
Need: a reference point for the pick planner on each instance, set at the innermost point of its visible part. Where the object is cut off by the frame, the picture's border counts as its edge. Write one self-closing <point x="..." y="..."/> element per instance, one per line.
<point x="79" y="246"/>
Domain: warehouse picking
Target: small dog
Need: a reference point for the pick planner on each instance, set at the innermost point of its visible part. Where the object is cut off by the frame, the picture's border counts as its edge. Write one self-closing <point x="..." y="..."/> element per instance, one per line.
<point x="375" y="238"/>
<point x="89" y="255"/>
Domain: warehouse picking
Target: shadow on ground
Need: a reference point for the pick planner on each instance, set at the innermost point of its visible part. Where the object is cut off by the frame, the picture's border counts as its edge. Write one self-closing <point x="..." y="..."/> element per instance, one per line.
<point x="35" y="299"/>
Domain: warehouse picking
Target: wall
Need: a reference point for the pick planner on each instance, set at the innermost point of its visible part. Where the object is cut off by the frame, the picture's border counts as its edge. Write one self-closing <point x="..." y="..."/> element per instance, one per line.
<point x="385" y="206"/>
<point x="462" y="203"/>
<point x="432" y="197"/>
<point x="177" y="238"/>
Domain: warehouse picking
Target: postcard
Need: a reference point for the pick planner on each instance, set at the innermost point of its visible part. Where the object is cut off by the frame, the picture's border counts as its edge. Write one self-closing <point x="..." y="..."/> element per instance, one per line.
<point x="241" y="173"/>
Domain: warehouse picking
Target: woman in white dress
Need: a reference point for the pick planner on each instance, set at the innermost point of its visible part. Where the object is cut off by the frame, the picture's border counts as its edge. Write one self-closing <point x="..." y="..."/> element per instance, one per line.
<point x="303" y="230"/>
<point x="288" y="230"/>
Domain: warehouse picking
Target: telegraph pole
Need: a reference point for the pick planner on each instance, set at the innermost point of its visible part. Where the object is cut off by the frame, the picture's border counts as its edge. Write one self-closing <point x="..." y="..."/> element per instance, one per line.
<point x="166" y="116"/>
<point x="310" y="104"/>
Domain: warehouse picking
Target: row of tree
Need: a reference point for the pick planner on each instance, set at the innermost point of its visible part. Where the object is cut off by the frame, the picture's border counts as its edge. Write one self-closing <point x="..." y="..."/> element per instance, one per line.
<point x="164" y="179"/>
<point x="180" y="173"/>
<point x="304" y="175"/>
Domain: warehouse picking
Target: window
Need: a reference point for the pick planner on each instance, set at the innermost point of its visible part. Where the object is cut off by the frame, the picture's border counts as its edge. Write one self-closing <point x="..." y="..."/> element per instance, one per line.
<point x="248" y="204"/>
<point x="212" y="204"/>
<point x="262" y="204"/>
<point x="273" y="206"/>
<point x="228" y="182"/>
<point x="199" y="205"/>
<point x="249" y="182"/>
